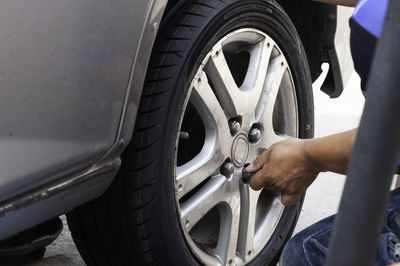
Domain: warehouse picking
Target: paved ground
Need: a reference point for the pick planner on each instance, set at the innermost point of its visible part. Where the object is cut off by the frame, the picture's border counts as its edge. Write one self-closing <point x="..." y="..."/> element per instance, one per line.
<point x="322" y="198"/>
<point x="63" y="251"/>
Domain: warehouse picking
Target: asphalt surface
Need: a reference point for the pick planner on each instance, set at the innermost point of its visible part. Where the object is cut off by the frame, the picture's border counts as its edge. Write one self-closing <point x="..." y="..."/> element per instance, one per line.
<point x="62" y="251"/>
<point x="322" y="198"/>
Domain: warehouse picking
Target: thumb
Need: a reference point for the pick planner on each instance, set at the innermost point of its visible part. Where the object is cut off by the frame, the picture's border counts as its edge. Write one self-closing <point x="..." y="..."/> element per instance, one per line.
<point x="289" y="199"/>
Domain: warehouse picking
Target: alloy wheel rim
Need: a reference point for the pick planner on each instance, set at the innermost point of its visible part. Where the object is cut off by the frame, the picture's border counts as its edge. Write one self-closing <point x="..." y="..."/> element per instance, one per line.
<point x="224" y="221"/>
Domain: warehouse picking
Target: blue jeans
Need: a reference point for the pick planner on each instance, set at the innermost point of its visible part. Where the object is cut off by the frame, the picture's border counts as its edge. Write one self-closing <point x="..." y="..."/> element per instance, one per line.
<point x="310" y="246"/>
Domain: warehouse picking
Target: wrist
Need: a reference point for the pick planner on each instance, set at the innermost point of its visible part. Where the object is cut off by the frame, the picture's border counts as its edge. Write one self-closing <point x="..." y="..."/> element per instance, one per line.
<point x="312" y="156"/>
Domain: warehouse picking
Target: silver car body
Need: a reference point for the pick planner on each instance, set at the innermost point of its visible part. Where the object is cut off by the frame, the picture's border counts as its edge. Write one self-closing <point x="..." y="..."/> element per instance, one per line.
<point x="71" y="74"/>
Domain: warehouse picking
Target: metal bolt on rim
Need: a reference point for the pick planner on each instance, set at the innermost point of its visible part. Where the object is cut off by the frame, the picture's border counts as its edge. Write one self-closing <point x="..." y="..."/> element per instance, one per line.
<point x="255" y="135"/>
<point x="234" y="127"/>
<point x="224" y="221"/>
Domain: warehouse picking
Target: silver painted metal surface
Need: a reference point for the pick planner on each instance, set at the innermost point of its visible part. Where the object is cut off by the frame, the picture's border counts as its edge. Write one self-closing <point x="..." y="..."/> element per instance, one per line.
<point x="65" y="66"/>
<point x="224" y="221"/>
<point x="37" y="206"/>
<point x="67" y="79"/>
<point x="137" y="76"/>
<point x="58" y="187"/>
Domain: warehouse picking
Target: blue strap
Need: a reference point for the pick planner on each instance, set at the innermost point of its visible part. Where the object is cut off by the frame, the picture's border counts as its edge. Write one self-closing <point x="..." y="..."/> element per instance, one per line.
<point x="370" y="14"/>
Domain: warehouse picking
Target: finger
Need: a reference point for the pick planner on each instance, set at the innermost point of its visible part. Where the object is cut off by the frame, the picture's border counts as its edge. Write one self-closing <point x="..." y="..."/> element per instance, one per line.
<point x="259" y="180"/>
<point x="289" y="199"/>
<point x="251" y="168"/>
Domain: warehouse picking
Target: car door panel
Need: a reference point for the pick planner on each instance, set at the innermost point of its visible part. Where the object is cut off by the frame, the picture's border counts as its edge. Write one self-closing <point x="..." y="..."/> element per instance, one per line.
<point x="64" y="71"/>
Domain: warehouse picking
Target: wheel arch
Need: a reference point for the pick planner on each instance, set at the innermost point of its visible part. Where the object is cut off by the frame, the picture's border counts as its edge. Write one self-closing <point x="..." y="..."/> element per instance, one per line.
<point x="152" y="20"/>
<point x="316" y="25"/>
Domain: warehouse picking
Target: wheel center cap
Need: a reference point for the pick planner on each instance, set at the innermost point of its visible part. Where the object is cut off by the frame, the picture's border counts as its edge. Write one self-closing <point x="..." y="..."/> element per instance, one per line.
<point x="240" y="150"/>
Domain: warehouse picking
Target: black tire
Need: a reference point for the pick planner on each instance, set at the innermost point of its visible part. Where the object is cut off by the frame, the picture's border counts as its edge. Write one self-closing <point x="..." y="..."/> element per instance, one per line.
<point x="136" y="222"/>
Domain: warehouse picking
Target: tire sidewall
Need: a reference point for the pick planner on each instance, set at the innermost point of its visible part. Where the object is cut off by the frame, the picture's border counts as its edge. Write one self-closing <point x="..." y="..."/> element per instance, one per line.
<point x="229" y="16"/>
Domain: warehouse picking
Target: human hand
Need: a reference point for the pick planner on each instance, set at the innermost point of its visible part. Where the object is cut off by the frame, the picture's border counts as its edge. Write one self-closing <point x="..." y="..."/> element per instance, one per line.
<point x="285" y="168"/>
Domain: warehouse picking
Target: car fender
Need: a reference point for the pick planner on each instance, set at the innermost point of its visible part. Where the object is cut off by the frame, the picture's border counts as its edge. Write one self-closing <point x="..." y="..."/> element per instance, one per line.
<point x="136" y="80"/>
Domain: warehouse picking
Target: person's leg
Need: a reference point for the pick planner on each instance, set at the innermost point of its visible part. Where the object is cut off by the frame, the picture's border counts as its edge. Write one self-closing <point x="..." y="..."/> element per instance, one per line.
<point x="389" y="245"/>
<point x="310" y="246"/>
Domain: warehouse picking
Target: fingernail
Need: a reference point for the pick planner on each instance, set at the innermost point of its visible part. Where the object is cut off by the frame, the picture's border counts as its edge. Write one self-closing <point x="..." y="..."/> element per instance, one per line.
<point x="250" y="168"/>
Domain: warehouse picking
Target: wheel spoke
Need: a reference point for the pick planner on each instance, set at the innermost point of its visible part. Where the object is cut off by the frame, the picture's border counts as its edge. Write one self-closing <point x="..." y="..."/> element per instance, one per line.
<point x="256" y="73"/>
<point x="265" y="108"/>
<point x="202" y="202"/>
<point x="269" y="222"/>
<point x="228" y="93"/>
<point x="211" y="112"/>
<point x="249" y="199"/>
<point x="205" y="164"/>
<point x="215" y="149"/>
<point x="229" y="230"/>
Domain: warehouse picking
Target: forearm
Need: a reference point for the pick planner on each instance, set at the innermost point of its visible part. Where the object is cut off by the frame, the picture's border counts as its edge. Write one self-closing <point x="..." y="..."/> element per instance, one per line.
<point x="339" y="2"/>
<point x="331" y="153"/>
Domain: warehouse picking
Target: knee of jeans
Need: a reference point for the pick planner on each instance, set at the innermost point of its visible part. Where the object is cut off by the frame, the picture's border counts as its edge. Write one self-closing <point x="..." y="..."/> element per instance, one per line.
<point x="293" y="252"/>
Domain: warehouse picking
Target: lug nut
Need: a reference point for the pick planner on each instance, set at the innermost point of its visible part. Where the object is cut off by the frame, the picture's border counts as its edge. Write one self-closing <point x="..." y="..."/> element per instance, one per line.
<point x="227" y="169"/>
<point x="254" y="135"/>
<point x="234" y="127"/>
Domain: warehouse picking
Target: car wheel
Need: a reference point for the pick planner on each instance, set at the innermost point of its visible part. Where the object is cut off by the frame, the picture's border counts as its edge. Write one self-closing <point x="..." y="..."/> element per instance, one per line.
<point x="225" y="81"/>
